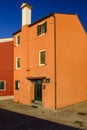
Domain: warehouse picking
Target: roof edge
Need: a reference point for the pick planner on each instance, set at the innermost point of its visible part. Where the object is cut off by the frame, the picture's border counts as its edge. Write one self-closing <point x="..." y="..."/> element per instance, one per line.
<point x="6" y="40"/>
<point x="16" y="32"/>
<point x="52" y="14"/>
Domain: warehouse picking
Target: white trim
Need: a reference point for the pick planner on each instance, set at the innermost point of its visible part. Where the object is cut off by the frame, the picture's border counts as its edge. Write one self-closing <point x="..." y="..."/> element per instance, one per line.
<point x="17" y="68"/>
<point x="42" y="22"/>
<point x="41" y="34"/>
<point x="4" y="85"/>
<point x="39" y="58"/>
<point x="6" y="39"/>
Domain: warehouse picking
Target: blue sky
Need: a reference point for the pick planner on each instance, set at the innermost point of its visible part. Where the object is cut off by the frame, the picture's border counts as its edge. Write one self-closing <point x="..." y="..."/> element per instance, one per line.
<point x="10" y="12"/>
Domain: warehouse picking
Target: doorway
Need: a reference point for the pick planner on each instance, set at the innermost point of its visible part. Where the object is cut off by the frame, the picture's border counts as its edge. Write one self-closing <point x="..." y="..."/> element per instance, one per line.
<point x="38" y="90"/>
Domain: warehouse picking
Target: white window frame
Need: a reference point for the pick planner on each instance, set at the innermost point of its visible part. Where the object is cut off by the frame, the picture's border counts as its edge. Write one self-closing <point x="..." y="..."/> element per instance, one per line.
<point x="4" y="85"/>
<point x="39" y="58"/>
<point x="17" y="40"/>
<point x="17" y="63"/>
<point x="40" y="25"/>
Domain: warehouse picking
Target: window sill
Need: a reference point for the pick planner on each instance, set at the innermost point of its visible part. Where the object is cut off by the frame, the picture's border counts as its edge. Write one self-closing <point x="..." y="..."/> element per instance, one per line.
<point x="42" y="64"/>
<point x="3" y="90"/>
<point x="18" y="68"/>
<point x="17" y="45"/>
<point x="41" y="35"/>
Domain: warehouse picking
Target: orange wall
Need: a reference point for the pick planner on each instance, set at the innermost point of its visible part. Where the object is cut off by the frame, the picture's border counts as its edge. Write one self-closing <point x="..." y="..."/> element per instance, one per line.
<point x="71" y="65"/>
<point x="30" y="46"/>
<point x="6" y="67"/>
<point x="38" y="43"/>
<point x="22" y="95"/>
<point x="71" y="51"/>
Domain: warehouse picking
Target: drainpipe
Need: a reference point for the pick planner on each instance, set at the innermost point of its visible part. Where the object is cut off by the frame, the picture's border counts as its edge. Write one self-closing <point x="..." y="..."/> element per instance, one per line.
<point x="54" y="61"/>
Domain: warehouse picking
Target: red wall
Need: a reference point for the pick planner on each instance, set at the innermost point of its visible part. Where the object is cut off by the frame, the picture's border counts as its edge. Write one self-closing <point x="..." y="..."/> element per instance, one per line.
<point x="6" y="67"/>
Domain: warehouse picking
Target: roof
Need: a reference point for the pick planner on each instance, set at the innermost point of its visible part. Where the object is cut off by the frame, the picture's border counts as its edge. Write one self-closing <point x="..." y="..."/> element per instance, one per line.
<point x="52" y="14"/>
<point x="34" y="23"/>
<point x="42" y="19"/>
<point x="6" y="39"/>
<point x="16" y="32"/>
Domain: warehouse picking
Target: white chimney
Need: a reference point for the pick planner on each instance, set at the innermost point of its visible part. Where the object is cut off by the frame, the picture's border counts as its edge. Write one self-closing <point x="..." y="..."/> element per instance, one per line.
<point x="26" y="14"/>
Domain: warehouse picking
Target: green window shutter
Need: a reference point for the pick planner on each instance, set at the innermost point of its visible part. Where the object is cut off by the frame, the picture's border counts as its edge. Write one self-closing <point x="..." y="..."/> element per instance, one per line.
<point x="42" y="57"/>
<point x="17" y="84"/>
<point x="18" y="62"/>
<point x="38" y="30"/>
<point x="1" y="85"/>
<point x="45" y="27"/>
<point x="18" y="39"/>
<point x="41" y="29"/>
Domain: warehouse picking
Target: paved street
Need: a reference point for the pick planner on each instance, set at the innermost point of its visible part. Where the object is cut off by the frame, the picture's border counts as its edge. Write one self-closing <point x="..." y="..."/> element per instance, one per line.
<point x="17" y="116"/>
<point x="14" y="121"/>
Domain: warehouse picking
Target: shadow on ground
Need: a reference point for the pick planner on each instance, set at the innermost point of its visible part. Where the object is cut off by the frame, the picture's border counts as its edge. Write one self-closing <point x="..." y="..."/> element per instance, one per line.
<point x="15" y="121"/>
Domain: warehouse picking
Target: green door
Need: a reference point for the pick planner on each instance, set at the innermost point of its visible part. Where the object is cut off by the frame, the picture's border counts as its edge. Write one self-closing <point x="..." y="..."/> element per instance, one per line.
<point x="38" y="90"/>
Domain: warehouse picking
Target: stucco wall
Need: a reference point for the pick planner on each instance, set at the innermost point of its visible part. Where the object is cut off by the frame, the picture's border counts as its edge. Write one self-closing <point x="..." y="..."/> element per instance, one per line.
<point x="71" y="60"/>
<point x="6" y="67"/>
<point x="71" y="65"/>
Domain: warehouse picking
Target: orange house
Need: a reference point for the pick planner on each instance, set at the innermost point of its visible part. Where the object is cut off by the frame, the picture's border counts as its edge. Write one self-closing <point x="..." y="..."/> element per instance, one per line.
<point x="6" y="66"/>
<point x="50" y="60"/>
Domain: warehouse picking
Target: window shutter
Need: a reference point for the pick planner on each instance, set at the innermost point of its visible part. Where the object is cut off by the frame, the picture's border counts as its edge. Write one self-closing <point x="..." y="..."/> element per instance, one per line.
<point x="1" y="85"/>
<point x="18" y="63"/>
<point x="38" y="30"/>
<point x="17" y="83"/>
<point x="18" y="39"/>
<point x="42" y="57"/>
<point x="45" y="27"/>
<point x="41" y="29"/>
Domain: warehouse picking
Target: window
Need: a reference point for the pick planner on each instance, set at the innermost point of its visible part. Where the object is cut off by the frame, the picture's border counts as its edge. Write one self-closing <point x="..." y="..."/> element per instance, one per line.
<point x="18" y="62"/>
<point x="17" y="84"/>
<point x="2" y="85"/>
<point x="42" y="28"/>
<point x="42" y="57"/>
<point x="18" y="40"/>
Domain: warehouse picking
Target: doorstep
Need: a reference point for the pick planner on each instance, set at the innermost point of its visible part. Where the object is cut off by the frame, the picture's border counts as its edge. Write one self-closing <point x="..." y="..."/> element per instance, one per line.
<point x="36" y="104"/>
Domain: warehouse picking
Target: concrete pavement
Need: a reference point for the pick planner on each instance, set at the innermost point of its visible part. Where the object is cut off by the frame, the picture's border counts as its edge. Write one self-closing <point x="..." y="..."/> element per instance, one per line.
<point x="6" y="97"/>
<point x="74" y="115"/>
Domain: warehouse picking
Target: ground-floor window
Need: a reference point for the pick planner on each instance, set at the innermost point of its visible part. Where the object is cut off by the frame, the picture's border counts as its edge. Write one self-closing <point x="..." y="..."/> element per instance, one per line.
<point x="17" y="84"/>
<point x="2" y="85"/>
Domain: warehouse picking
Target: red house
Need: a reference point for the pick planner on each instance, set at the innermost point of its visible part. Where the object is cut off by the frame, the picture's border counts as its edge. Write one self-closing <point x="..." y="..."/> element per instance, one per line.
<point x="6" y="67"/>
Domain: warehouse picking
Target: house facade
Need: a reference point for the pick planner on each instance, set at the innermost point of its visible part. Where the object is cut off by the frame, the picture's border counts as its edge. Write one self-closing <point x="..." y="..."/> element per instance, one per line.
<point x="6" y="67"/>
<point x="50" y="60"/>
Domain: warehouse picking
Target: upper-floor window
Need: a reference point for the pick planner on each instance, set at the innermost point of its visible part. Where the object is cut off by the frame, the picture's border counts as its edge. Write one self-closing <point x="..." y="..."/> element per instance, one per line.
<point x="41" y="28"/>
<point x="2" y="85"/>
<point x="17" y="40"/>
<point x="18" y="62"/>
<point x="42" y="57"/>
